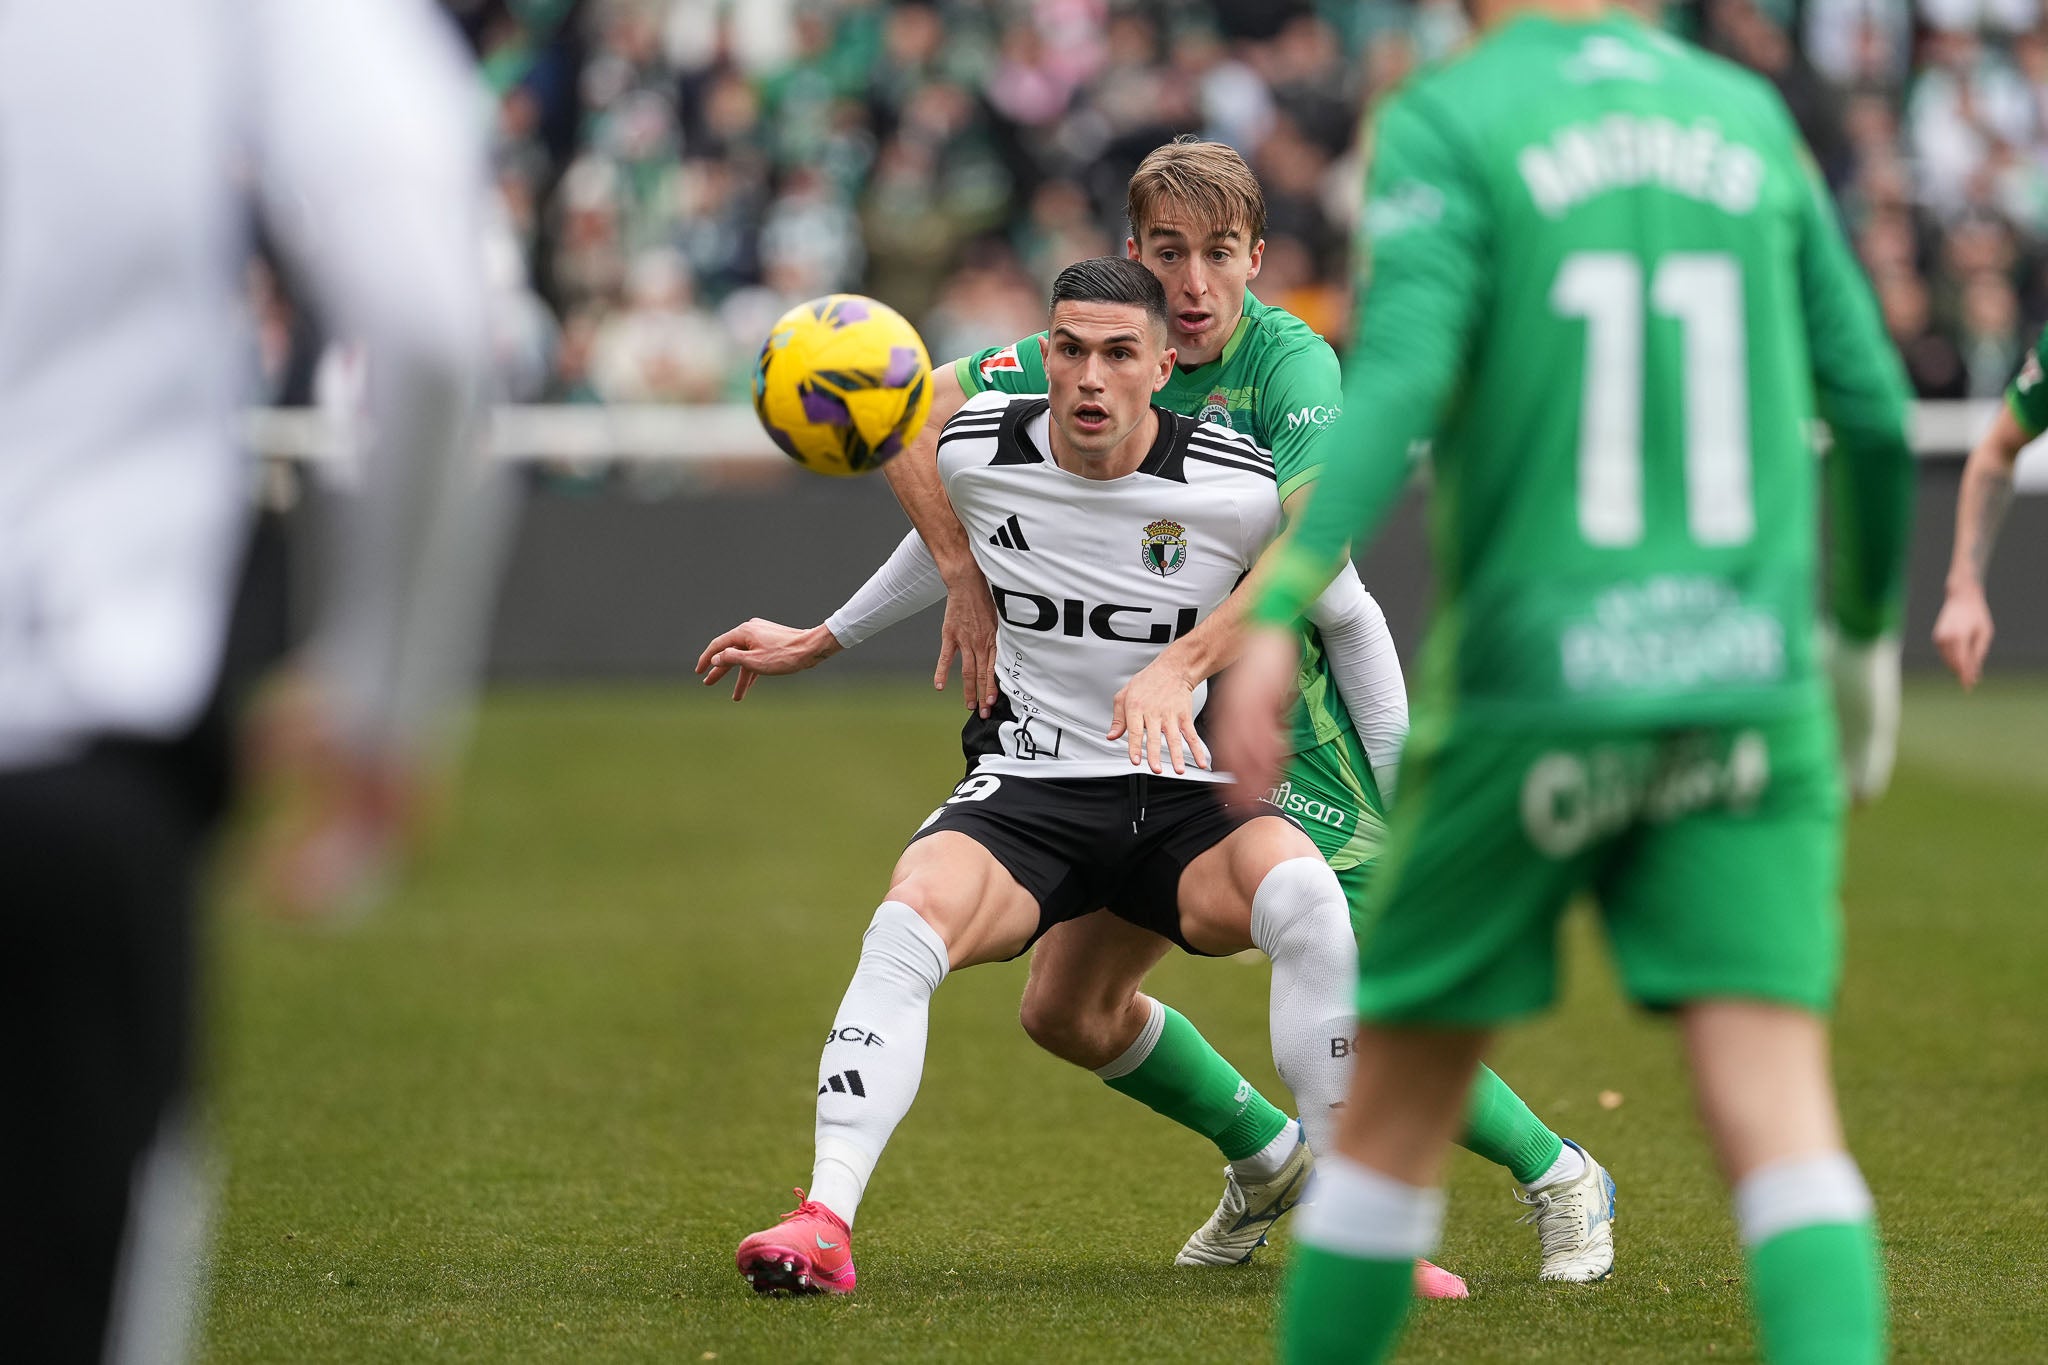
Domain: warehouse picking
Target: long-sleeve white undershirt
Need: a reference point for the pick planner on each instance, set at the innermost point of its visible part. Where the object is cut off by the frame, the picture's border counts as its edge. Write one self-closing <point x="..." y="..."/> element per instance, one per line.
<point x="1367" y="669"/>
<point x="905" y="585"/>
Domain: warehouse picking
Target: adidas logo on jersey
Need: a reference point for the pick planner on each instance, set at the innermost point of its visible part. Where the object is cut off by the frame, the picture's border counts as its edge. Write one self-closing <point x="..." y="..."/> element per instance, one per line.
<point x="1010" y="535"/>
<point x="845" y="1082"/>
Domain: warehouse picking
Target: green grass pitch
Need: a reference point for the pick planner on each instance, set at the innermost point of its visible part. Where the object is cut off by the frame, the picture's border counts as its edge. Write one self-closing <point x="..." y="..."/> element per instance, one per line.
<point x="526" y="1111"/>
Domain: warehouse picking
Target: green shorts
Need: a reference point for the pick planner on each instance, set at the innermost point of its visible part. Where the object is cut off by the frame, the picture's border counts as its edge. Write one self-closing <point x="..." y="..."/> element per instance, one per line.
<point x="1714" y="855"/>
<point x="1357" y="881"/>
<point x="1330" y="791"/>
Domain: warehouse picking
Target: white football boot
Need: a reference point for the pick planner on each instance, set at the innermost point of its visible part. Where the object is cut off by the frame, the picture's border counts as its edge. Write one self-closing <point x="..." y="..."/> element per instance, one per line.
<point x="1575" y="1224"/>
<point x="1248" y="1212"/>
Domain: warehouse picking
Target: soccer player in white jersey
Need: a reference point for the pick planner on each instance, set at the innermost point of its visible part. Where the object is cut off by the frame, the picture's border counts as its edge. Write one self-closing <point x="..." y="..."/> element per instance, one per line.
<point x="1197" y="217"/>
<point x="133" y="134"/>
<point x="1141" y="523"/>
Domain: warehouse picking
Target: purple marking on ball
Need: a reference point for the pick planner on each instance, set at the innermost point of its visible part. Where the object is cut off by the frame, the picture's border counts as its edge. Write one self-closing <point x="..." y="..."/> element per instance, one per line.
<point x="825" y="409"/>
<point x="781" y="439"/>
<point x="890" y="448"/>
<point x="849" y="312"/>
<point x="902" y="365"/>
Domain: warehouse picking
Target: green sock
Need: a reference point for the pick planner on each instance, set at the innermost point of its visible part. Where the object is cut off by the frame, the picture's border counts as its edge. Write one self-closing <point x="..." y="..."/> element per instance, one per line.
<point x="1499" y="1127"/>
<point x="1818" y="1292"/>
<point x="1185" y="1079"/>
<point x="1339" y="1308"/>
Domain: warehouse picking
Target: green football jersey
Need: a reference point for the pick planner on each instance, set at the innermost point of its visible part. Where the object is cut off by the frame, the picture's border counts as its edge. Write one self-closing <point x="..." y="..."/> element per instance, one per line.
<point x="2027" y="396"/>
<point x="1276" y="381"/>
<point x="1600" y="272"/>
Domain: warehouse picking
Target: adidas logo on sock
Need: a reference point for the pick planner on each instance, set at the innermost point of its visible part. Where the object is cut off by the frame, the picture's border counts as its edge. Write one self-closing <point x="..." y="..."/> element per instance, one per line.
<point x="1010" y="535"/>
<point x="844" y="1082"/>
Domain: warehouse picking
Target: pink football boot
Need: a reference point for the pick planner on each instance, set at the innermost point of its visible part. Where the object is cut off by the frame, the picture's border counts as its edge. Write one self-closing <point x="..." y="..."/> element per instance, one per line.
<point x="809" y="1252"/>
<point x="1431" y="1281"/>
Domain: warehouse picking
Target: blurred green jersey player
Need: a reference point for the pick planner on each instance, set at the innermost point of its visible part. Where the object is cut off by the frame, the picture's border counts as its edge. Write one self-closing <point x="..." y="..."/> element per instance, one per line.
<point x="1602" y="277"/>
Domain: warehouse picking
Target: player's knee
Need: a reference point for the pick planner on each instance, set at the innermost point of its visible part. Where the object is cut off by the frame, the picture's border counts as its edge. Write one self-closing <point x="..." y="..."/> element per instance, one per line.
<point x="977" y="921"/>
<point x="900" y="944"/>
<point x="946" y="905"/>
<point x="1046" y="1024"/>
<point x="1299" y="904"/>
<point x="1076" y="1031"/>
<point x="1761" y="1081"/>
<point x="1268" y="844"/>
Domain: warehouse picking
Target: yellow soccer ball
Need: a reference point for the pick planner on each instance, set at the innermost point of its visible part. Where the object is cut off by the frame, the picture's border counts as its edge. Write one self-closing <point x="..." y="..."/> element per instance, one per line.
<point x="843" y="383"/>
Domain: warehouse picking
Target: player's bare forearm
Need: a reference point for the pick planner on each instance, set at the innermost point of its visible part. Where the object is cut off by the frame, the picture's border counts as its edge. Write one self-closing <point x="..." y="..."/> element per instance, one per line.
<point x="1251" y="716"/>
<point x="1981" y="502"/>
<point x="1214" y="645"/>
<point x="969" y="629"/>
<point x="914" y="479"/>
<point x="761" y="648"/>
<point x="1159" y="701"/>
<point x="1963" y="629"/>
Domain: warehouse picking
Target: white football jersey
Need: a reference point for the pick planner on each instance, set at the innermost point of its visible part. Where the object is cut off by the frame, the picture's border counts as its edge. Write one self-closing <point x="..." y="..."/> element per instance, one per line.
<point x="1093" y="578"/>
<point x="135" y="137"/>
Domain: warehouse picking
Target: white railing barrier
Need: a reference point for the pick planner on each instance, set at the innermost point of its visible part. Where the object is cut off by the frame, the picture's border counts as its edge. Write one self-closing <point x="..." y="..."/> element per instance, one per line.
<point x="728" y="433"/>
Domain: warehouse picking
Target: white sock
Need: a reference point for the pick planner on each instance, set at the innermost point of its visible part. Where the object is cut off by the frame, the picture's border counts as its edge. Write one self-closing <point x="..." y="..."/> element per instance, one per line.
<point x="1569" y="1166"/>
<point x="1300" y="921"/>
<point x="1265" y="1163"/>
<point x="1133" y="1057"/>
<point x="1803" y="1192"/>
<point x="874" y="1055"/>
<point x="1355" y="1211"/>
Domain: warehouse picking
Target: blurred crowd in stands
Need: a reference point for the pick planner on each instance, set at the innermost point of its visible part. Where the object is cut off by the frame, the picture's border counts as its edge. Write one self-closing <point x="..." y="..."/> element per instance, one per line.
<point x="676" y="173"/>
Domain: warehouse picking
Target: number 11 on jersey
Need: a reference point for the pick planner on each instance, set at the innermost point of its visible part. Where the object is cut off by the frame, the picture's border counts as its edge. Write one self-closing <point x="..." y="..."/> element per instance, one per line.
<point x="1702" y="291"/>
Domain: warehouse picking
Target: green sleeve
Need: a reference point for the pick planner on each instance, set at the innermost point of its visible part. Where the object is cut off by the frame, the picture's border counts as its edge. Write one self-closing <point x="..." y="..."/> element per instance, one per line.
<point x="1861" y="393"/>
<point x="1299" y="404"/>
<point x="1423" y="249"/>
<point x="2027" y="396"/>
<point x="1016" y="368"/>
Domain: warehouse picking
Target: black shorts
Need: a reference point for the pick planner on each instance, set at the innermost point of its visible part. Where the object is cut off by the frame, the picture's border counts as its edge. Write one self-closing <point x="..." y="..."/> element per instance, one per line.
<point x="1080" y="844"/>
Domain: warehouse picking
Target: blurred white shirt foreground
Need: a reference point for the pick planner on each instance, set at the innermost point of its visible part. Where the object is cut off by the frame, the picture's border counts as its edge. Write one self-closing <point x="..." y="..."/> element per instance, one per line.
<point x="136" y="137"/>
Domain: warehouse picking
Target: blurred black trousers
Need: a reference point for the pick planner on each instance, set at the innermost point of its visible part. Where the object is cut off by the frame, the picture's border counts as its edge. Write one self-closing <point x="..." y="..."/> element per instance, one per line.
<point x="100" y="859"/>
<point x="101" y="862"/>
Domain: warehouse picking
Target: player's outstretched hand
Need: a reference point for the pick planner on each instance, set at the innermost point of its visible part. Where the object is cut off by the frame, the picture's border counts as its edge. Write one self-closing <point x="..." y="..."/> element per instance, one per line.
<point x="335" y="825"/>
<point x="759" y="648"/>
<point x="969" y="631"/>
<point x="1155" y="715"/>
<point x="1963" y="634"/>
<point x="1250" y="725"/>
<point x="1865" y="675"/>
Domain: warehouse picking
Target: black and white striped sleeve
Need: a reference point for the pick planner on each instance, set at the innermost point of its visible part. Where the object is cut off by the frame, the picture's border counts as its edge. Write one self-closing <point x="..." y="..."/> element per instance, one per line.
<point x="1221" y="446"/>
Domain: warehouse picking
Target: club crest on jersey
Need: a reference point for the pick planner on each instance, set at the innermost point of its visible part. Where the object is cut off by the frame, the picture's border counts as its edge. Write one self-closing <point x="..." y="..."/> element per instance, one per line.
<point x="1164" y="548"/>
<point x="2030" y="373"/>
<point x="1216" y="410"/>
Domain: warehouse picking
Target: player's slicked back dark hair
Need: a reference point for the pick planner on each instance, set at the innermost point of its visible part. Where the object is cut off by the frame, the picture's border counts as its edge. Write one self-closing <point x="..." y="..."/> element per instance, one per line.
<point x="1111" y="279"/>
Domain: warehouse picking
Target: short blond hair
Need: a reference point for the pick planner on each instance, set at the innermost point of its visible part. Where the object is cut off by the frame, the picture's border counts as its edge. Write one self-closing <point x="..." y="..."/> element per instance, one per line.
<point x="1207" y="180"/>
